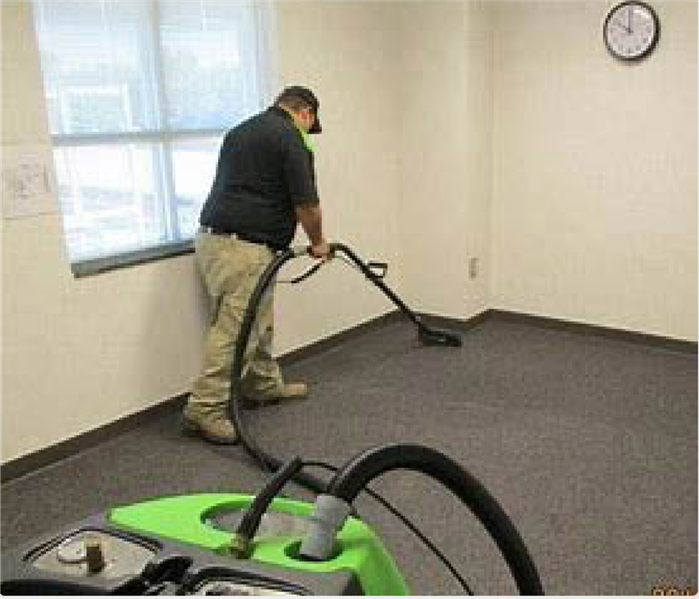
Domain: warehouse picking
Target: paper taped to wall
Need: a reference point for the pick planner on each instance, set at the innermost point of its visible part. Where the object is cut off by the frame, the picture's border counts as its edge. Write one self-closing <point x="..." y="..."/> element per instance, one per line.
<point x="27" y="182"/>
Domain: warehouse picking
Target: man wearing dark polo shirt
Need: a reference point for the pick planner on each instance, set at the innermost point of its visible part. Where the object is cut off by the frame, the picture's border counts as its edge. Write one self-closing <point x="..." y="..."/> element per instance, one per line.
<point x="264" y="185"/>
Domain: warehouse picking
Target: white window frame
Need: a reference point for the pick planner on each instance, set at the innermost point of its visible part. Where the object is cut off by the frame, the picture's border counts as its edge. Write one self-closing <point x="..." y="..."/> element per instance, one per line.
<point x="162" y="140"/>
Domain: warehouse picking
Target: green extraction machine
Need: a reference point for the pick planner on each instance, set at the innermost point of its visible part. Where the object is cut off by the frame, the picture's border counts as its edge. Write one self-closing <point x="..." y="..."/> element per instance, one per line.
<point x="230" y="544"/>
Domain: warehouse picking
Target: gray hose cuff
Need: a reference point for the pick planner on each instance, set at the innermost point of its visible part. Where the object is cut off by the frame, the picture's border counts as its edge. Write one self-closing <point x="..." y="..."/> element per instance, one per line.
<point x="329" y="514"/>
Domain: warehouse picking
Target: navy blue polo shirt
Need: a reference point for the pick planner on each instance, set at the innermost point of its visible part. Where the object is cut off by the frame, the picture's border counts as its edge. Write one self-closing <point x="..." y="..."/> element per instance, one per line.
<point x="264" y="170"/>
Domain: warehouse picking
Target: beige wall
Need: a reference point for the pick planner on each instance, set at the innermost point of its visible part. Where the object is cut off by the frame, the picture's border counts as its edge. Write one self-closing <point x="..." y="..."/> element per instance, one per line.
<point x="444" y="211"/>
<point x="349" y="53"/>
<point x="595" y="198"/>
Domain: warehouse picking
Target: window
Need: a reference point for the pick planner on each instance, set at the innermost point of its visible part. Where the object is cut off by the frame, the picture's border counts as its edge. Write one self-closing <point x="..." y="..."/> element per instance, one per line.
<point x="139" y="95"/>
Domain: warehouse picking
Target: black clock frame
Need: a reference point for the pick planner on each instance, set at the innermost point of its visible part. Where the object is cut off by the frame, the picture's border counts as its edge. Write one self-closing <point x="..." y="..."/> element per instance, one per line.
<point x="654" y="41"/>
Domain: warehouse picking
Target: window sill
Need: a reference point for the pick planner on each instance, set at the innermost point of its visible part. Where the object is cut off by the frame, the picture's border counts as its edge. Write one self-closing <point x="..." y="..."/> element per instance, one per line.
<point x="88" y="268"/>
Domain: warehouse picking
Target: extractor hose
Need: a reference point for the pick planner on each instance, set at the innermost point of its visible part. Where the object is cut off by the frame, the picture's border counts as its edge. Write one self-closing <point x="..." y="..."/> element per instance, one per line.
<point x="268" y="462"/>
<point x="368" y="465"/>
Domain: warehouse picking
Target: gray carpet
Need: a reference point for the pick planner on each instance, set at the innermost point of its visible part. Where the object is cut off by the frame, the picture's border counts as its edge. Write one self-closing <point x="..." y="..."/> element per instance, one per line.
<point x="590" y="445"/>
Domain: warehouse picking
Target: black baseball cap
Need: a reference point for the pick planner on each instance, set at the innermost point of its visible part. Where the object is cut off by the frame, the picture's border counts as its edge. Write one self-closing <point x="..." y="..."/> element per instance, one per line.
<point x="305" y="94"/>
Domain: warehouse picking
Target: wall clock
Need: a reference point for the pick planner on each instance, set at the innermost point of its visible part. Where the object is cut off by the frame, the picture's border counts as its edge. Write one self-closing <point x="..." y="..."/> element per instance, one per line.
<point x="631" y="30"/>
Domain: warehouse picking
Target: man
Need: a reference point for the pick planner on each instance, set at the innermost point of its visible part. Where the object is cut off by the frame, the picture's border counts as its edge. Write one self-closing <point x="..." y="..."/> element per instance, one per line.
<point x="264" y="186"/>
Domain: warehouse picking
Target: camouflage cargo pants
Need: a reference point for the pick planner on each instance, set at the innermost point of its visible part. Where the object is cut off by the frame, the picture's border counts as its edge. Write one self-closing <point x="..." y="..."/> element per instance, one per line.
<point x="230" y="269"/>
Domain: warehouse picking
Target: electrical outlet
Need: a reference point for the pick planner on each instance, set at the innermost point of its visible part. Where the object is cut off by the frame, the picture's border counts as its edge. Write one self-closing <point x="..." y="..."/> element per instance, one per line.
<point x="473" y="268"/>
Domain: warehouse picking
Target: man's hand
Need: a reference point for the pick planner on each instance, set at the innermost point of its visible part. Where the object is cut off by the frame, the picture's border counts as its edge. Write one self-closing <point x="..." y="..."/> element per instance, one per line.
<point x="311" y="220"/>
<point x="321" y="251"/>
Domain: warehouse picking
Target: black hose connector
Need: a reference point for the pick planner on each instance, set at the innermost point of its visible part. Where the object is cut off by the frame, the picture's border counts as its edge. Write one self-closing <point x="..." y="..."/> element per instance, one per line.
<point x="358" y="472"/>
<point x="241" y="543"/>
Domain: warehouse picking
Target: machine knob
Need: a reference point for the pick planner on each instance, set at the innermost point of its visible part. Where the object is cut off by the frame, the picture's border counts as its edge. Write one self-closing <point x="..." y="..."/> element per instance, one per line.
<point x="94" y="556"/>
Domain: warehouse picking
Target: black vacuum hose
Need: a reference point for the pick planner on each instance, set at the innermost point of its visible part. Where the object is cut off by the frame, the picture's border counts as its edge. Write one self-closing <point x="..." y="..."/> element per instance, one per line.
<point x="357" y="474"/>
<point x="268" y="462"/>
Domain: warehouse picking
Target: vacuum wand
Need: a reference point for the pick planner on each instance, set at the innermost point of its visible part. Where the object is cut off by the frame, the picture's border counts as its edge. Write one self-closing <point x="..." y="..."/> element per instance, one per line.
<point x="427" y="335"/>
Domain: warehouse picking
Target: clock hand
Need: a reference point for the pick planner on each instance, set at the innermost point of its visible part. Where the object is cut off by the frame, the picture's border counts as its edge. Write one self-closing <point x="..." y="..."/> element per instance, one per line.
<point x="624" y="27"/>
<point x="630" y="13"/>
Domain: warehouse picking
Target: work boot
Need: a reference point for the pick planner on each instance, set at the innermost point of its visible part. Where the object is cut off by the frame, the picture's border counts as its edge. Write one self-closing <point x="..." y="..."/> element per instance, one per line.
<point x="287" y="392"/>
<point x="213" y="425"/>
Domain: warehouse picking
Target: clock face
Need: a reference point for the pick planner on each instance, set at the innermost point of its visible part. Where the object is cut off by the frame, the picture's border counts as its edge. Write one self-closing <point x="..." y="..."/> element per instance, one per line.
<point x="631" y="30"/>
